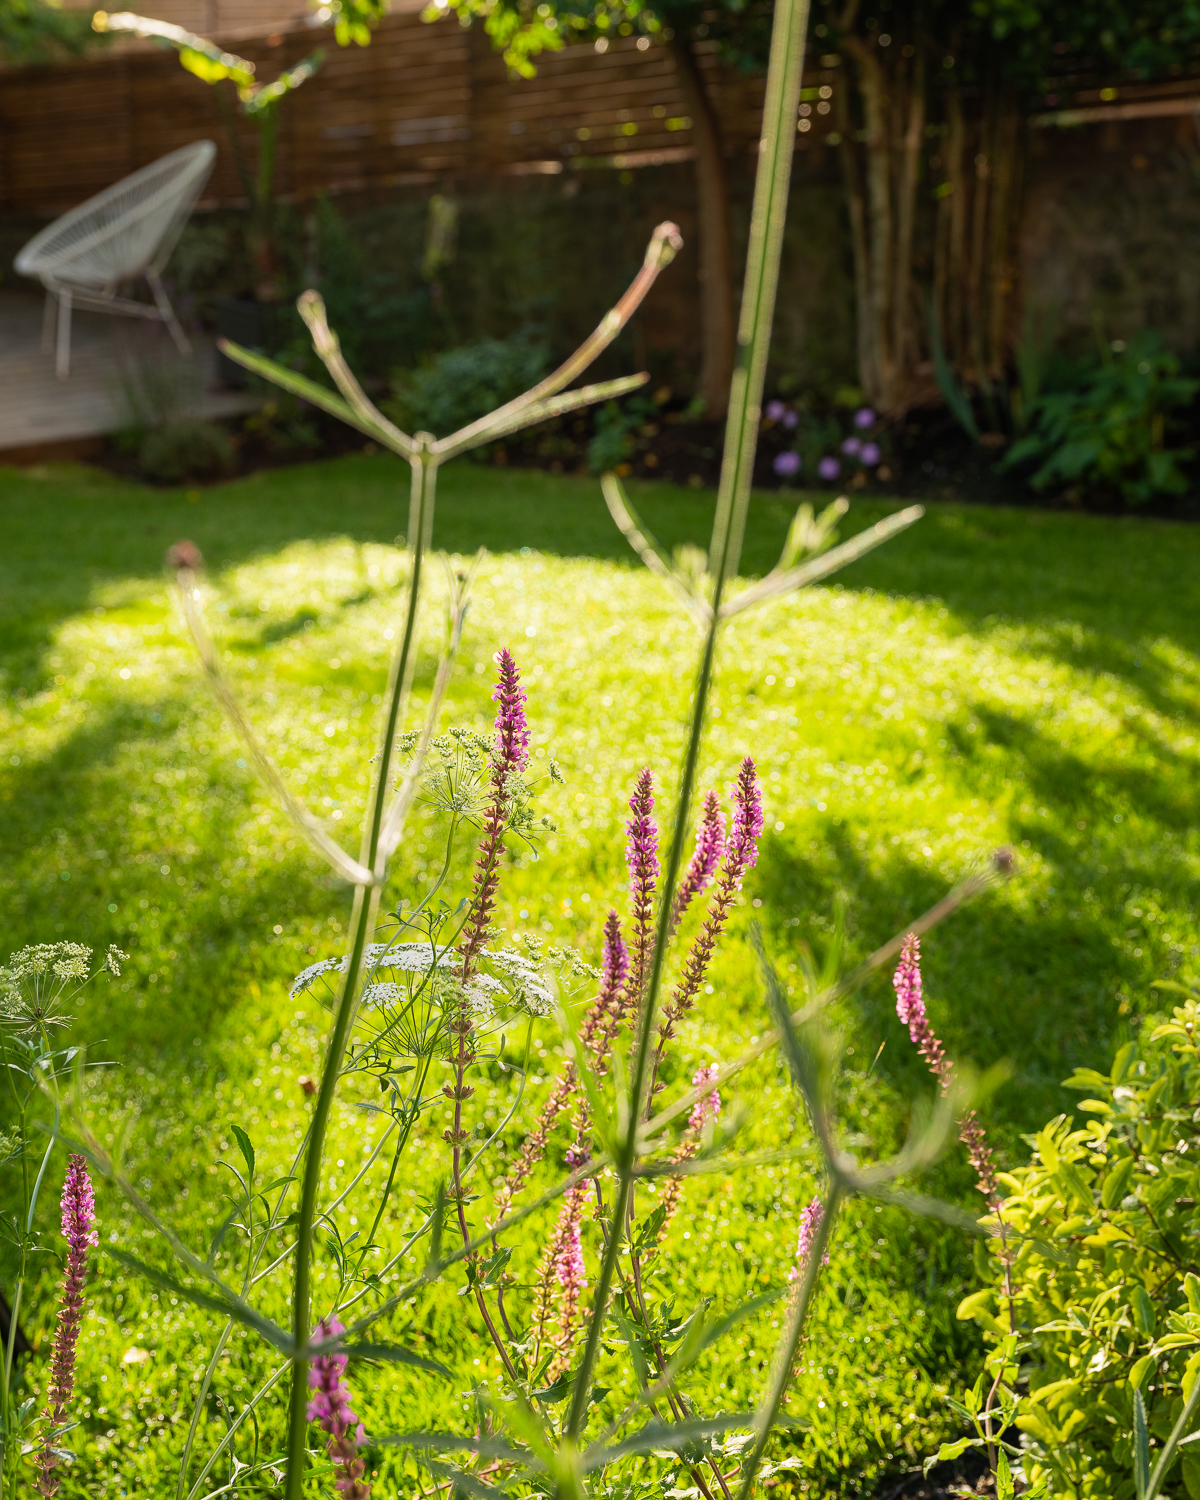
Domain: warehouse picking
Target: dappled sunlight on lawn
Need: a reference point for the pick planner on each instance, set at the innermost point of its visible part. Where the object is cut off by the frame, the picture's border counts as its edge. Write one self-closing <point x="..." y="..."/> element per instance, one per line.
<point x="991" y="677"/>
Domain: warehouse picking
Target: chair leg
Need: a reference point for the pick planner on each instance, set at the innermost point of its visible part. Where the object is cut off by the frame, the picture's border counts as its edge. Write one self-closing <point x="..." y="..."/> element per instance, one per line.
<point x="168" y="313"/>
<point x="48" y="319"/>
<point x="62" y="366"/>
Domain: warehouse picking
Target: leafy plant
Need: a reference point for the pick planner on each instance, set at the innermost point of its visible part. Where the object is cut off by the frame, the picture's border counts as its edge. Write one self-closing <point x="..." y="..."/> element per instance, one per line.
<point x="616" y="423"/>
<point x="190" y="449"/>
<point x="1110" y="430"/>
<point x="40" y="989"/>
<point x="1105" y="1284"/>
<point x="434" y="992"/>
<point x="463" y="385"/>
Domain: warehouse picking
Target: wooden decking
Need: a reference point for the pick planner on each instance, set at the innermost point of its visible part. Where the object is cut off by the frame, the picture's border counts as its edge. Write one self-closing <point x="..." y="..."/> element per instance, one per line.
<point x="40" y="414"/>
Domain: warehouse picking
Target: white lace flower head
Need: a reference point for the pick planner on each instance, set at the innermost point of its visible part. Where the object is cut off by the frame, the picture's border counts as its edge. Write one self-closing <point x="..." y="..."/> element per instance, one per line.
<point x="407" y="958"/>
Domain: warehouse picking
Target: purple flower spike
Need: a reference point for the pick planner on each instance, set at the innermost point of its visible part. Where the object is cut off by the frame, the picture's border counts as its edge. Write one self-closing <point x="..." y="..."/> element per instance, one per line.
<point x="870" y="454"/>
<point x="710" y="845"/>
<point x="569" y="1268"/>
<point x="708" y="1106"/>
<point x="774" y="411"/>
<point x="642" y="849"/>
<point x="747" y="816"/>
<point x="910" y="1007"/>
<point x="790" y="419"/>
<point x="512" y="731"/>
<point x="614" y="962"/>
<point x="331" y="1407"/>
<point x="642" y="855"/>
<point x="811" y="1219"/>
<point x="787" y="464"/>
<point x="78" y="1220"/>
<point x="864" y="417"/>
<point x="829" y="468"/>
<point x="851" y="446"/>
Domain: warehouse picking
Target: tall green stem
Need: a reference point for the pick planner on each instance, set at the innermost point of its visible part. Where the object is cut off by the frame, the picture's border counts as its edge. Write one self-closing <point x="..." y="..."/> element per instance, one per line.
<point x="366" y="902"/>
<point x="781" y="1375"/>
<point x="741" y="437"/>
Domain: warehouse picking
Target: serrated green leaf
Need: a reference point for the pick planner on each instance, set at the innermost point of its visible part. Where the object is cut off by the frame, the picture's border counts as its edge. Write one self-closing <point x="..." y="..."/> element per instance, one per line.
<point x="244" y="1147"/>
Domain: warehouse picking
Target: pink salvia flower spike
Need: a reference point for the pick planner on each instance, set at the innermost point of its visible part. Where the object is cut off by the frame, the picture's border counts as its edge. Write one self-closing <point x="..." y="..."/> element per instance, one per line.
<point x="78" y="1227"/>
<point x="710" y="845"/>
<point x="910" y="1007"/>
<point x="330" y="1406"/>
<point x="708" y="1106"/>
<point x="812" y="1216"/>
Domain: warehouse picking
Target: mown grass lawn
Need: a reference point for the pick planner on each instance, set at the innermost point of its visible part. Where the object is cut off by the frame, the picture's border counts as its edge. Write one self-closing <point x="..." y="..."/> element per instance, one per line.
<point x="991" y="677"/>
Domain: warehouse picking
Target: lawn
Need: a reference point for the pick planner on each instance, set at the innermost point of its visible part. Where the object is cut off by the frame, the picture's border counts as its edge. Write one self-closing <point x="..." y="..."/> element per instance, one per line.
<point x="994" y="676"/>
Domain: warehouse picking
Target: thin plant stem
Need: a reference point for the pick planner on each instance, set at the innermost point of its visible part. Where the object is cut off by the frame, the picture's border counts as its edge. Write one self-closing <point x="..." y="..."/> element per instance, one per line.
<point x="758" y="306"/>
<point x="366" y="901"/>
<point x="781" y="1375"/>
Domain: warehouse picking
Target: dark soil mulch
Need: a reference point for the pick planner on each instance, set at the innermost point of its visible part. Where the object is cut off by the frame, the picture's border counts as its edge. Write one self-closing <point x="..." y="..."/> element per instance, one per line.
<point x="928" y="457"/>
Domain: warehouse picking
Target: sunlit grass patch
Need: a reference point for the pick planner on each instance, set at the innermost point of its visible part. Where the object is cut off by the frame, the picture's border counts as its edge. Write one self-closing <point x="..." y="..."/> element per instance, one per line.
<point x="992" y="677"/>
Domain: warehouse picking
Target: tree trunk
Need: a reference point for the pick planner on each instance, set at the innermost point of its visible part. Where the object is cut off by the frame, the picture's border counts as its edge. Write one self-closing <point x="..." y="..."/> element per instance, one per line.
<point x="903" y="352"/>
<point x="856" y="205"/>
<point x="877" y="375"/>
<point x="718" y="323"/>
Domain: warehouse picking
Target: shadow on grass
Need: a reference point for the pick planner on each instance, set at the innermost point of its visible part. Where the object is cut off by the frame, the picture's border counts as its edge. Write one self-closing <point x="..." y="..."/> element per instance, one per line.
<point x="200" y="941"/>
<point x="1006" y="979"/>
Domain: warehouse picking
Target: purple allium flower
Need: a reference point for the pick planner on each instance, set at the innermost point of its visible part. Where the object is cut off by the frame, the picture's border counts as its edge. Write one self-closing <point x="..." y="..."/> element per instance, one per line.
<point x="790" y="419"/>
<point x="910" y="1007"/>
<point x="331" y="1407"/>
<point x="811" y="1218"/>
<point x="870" y="454"/>
<point x="829" y="468"/>
<point x="774" y="411"/>
<point x="642" y="855"/>
<point x="512" y="731"/>
<point x="851" y="446"/>
<point x="747" y="816"/>
<point x="78" y="1221"/>
<point x="787" y="463"/>
<point x="864" y="417"/>
<point x="710" y="844"/>
<point x="708" y="1106"/>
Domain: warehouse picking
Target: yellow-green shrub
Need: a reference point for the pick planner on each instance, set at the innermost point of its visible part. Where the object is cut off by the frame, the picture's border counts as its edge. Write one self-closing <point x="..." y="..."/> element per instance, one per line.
<point x="1103" y="1227"/>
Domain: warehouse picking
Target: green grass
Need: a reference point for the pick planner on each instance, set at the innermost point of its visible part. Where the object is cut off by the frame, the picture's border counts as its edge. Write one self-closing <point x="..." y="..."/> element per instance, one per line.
<point x="992" y="676"/>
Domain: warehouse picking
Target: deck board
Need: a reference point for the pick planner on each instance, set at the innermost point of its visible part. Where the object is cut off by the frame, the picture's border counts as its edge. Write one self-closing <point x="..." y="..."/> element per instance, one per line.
<point x="38" y="409"/>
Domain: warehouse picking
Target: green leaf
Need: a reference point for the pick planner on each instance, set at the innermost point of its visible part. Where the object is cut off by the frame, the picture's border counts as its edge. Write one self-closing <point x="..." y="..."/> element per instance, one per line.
<point x="236" y="1309"/>
<point x="950" y="1451"/>
<point x="662" y="1435"/>
<point x="222" y="1231"/>
<point x="1143" y="1309"/>
<point x="1191" y="1286"/>
<point x="448" y="1442"/>
<point x="396" y="1355"/>
<point x="1004" y="1481"/>
<point x="1141" y="1446"/>
<point x="1116" y="1183"/>
<point x="1071" y="1180"/>
<point x="1087" y="1078"/>
<point x="244" y="1146"/>
<point x="1137" y="1375"/>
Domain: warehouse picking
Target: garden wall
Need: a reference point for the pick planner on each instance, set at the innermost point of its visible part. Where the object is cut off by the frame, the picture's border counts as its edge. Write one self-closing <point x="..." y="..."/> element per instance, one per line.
<point x="561" y="177"/>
